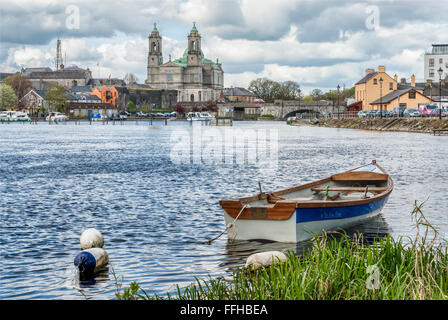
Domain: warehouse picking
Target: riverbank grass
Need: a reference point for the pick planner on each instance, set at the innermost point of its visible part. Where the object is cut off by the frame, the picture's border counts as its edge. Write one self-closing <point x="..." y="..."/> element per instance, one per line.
<point x="337" y="267"/>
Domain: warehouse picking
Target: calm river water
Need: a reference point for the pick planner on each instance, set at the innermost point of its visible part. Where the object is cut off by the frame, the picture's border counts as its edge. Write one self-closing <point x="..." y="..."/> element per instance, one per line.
<point x="156" y="201"/>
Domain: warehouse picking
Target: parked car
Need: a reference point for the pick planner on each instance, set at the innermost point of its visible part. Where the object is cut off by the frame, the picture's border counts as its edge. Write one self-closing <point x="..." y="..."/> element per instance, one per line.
<point x="385" y="113"/>
<point x="436" y="113"/>
<point x="371" y="113"/>
<point x="427" y="110"/>
<point x="397" y="112"/>
<point x="141" y="114"/>
<point x="362" y="114"/>
<point x="411" y="113"/>
<point x="257" y="100"/>
<point x="56" y="116"/>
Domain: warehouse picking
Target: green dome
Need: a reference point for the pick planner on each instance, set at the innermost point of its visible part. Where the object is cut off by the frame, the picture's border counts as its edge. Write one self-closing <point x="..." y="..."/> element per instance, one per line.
<point x="183" y="61"/>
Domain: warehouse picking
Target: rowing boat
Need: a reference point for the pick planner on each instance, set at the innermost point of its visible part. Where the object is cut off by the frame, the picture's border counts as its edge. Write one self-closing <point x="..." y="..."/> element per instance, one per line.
<point x="297" y="214"/>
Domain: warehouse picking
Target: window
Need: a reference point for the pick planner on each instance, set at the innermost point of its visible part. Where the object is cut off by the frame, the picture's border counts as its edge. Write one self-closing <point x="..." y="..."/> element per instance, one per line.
<point x="375" y="81"/>
<point x="192" y="97"/>
<point x="431" y="73"/>
<point x="153" y="78"/>
<point x="169" y="77"/>
<point x="411" y="94"/>
<point x="441" y="60"/>
<point x="431" y="62"/>
<point x="192" y="78"/>
<point x="391" y="86"/>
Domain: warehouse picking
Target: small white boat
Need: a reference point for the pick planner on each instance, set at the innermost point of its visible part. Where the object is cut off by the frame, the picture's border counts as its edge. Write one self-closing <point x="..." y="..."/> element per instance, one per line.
<point x="199" y="116"/>
<point x="56" y="116"/>
<point x="296" y="214"/>
<point x="14" y="116"/>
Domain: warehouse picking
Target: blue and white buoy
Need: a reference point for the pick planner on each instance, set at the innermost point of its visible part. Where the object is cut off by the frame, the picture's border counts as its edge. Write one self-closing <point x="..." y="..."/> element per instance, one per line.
<point x="93" y="257"/>
<point x="91" y="260"/>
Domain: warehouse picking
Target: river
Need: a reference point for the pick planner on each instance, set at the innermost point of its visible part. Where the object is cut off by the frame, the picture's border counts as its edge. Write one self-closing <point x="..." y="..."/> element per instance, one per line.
<point x="153" y="192"/>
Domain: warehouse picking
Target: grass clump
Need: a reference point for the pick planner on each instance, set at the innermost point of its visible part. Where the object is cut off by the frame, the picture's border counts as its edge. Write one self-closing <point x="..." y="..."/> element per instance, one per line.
<point x="339" y="268"/>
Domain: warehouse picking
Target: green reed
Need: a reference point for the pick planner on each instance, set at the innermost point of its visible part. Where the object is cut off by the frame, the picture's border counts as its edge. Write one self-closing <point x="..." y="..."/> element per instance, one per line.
<point x="339" y="267"/>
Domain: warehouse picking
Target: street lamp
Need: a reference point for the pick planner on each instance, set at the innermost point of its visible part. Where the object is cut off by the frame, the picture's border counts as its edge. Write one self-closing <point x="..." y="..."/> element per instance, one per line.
<point x="381" y="97"/>
<point x="338" y="99"/>
<point x="440" y="71"/>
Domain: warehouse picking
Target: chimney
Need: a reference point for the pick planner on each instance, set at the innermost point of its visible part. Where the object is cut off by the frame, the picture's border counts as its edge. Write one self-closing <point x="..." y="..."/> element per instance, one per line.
<point x="413" y="80"/>
<point x="369" y="71"/>
<point x="396" y="78"/>
<point x="381" y="69"/>
<point x="403" y="80"/>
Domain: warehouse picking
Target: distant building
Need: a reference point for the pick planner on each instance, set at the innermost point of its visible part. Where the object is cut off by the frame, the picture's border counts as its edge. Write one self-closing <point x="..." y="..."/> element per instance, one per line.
<point x="195" y="78"/>
<point x="34" y="99"/>
<point x="434" y="60"/>
<point x="370" y="94"/>
<point x="43" y="78"/>
<point x="107" y="94"/>
<point x="238" y="94"/>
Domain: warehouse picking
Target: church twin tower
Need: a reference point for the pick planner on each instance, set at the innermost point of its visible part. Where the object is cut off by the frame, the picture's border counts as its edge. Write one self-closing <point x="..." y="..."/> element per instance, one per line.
<point x="196" y="78"/>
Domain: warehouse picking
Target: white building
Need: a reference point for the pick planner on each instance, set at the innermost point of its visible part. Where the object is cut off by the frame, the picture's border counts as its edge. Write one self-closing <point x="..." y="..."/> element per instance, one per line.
<point x="437" y="58"/>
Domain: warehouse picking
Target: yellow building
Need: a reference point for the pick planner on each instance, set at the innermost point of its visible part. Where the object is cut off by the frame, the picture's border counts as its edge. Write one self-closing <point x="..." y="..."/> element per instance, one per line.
<point x="369" y="89"/>
<point x="408" y="98"/>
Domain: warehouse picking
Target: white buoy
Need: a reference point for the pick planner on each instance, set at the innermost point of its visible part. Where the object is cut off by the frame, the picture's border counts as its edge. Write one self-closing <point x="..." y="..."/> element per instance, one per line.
<point x="91" y="238"/>
<point x="264" y="259"/>
<point x="91" y="260"/>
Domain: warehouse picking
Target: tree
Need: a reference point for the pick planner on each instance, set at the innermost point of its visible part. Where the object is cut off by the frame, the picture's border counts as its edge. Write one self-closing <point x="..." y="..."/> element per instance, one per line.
<point x="8" y="97"/>
<point x="131" y="107"/>
<point x="264" y="88"/>
<point x="20" y="84"/>
<point x="316" y="94"/>
<point x="180" y="109"/>
<point x="211" y="106"/>
<point x="270" y="90"/>
<point x="56" y="98"/>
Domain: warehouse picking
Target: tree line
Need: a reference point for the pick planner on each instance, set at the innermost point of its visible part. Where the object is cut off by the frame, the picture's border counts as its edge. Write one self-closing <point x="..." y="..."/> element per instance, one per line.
<point x="270" y="90"/>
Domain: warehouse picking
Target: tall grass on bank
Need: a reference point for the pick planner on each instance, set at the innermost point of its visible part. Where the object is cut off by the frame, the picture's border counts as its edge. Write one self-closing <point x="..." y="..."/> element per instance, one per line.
<point x="337" y="268"/>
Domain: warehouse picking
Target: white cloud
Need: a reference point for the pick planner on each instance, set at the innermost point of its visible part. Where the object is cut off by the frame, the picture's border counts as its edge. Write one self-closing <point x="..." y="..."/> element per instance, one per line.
<point x="317" y="43"/>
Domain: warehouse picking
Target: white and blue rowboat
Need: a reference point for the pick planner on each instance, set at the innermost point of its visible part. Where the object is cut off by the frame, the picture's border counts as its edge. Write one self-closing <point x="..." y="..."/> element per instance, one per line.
<point x="296" y="214"/>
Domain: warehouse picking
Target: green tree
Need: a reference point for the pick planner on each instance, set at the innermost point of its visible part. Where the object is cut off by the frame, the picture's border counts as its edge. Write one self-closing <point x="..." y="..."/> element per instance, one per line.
<point x="131" y="107"/>
<point x="8" y="97"/>
<point x="56" y="98"/>
<point x="20" y="84"/>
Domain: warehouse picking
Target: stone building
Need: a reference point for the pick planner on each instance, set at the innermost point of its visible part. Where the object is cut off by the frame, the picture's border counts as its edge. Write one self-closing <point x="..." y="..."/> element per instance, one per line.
<point x="43" y="78"/>
<point x="194" y="77"/>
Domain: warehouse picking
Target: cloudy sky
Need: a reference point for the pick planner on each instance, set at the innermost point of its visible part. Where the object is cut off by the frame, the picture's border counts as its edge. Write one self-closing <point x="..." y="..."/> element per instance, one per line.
<point x="318" y="43"/>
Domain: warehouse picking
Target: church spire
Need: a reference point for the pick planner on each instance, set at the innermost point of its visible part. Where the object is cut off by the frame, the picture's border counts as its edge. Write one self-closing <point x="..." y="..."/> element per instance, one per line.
<point x="155" y="28"/>
<point x="194" y="27"/>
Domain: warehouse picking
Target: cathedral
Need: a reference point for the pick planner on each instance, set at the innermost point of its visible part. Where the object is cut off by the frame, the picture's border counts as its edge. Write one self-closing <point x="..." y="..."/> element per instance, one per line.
<point x="194" y="77"/>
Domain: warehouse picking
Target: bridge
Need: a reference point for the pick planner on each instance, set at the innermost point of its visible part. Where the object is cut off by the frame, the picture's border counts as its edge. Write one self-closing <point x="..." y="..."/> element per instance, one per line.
<point x="279" y="109"/>
<point x="285" y="109"/>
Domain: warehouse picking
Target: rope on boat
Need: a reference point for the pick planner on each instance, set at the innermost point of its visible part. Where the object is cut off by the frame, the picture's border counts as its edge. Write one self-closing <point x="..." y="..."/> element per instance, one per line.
<point x="230" y="225"/>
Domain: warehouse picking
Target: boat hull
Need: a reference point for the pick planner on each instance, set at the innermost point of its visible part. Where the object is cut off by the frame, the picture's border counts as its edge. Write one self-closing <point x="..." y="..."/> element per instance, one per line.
<point x="304" y="223"/>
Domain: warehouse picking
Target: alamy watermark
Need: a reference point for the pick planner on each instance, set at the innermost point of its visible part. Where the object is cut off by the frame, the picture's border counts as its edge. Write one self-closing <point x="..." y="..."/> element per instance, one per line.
<point x="225" y="146"/>
<point x="72" y="20"/>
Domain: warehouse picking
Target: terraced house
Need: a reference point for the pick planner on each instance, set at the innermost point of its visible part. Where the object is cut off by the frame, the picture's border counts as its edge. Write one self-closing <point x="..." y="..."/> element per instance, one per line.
<point x="194" y="77"/>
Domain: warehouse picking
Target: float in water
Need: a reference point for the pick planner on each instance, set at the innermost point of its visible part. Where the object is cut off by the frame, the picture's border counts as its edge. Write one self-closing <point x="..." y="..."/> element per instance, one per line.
<point x="297" y="214"/>
<point x="92" y="257"/>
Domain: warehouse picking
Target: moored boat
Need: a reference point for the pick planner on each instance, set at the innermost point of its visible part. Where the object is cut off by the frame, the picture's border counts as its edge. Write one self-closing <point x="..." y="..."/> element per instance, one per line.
<point x="199" y="116"/>
<point x="296" y="214"/>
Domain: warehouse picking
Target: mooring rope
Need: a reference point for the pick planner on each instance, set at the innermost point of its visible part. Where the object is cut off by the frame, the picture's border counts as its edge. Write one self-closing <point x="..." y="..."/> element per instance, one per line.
<point x="230" y="225"/>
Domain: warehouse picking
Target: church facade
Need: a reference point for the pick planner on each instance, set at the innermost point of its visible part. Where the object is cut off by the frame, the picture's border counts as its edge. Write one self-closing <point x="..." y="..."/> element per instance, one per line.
<point x="195" y="78"/>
